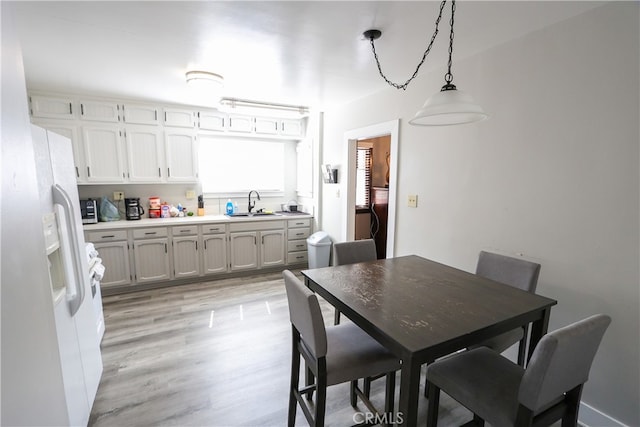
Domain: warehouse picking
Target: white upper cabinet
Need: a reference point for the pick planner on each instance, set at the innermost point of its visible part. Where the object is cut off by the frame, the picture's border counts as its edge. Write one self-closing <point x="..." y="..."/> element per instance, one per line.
<point x="51" y="107"/>
<point x="182" y="155"/>
<point x="103" y="154"/>
<point x="144" y="154"/>
<point x="71" y="132"/>
<point x="99" y="111"/>
<point x="178" y="117"/>
<point x="241" y="123"/>
<point x="292" y="127"/>
<point x="141" y="114"/>
<point x="212" y="120"/>
<point x="266" y="125"/>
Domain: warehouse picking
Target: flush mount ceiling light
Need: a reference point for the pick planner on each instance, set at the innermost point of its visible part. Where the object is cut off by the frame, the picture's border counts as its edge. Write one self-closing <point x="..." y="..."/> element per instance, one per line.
<point x="204" y="86"/>
<point x="447" y="107"/>
<point x="245" y="106"/>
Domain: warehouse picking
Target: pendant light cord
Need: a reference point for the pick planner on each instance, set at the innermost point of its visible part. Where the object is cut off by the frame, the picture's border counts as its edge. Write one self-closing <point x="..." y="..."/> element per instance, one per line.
<point x="449" y="77"/>
<point x="426" y="52"/>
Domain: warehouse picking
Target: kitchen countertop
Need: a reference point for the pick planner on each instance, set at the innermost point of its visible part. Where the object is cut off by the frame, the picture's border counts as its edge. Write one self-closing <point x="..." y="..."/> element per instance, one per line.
<point x="188" y="220"/>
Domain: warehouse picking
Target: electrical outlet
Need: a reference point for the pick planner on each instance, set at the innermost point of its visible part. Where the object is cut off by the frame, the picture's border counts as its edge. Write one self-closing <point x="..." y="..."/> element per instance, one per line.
<point x="413" y="201"/>
<point x="190" y="194"/>
<point x="118" y="195"/>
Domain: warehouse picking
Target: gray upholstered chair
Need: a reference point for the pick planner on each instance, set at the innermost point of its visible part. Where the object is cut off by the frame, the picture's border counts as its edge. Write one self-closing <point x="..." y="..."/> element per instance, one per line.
<point x="503" y="393"/>
<point x="514" y="272"/>
<point x="351" y="253"/>
<point x="335" y="354"/>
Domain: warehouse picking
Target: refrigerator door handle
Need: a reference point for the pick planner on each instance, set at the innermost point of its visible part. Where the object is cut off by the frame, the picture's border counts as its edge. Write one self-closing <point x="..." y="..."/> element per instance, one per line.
<point x="75" y="293"/>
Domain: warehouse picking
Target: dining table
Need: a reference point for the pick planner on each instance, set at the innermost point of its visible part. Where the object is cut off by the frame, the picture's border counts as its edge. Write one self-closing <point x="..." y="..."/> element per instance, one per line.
<point x="422" y="310"/>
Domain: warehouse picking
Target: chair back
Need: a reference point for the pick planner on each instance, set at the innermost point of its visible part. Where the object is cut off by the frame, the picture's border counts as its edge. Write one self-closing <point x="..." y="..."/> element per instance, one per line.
<point x="514" y="272"/>
<point x="354" y="251"/>
<point x="305" y="315"/>
<point x="561" y="361"/>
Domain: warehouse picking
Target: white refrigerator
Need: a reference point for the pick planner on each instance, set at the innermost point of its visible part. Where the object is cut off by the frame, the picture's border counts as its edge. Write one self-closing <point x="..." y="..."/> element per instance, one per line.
<point x="50" y="359"/>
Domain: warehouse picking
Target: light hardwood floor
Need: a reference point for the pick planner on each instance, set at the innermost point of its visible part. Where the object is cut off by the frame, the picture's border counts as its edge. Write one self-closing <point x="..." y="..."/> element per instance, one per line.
<point x="212" y="354"/>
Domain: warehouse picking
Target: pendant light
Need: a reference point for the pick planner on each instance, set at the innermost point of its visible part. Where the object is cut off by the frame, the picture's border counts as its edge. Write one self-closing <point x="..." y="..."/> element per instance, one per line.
<point x="447" y="107"/>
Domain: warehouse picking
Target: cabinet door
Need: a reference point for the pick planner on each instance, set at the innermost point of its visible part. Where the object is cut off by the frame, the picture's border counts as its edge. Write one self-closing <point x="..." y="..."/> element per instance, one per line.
<point x="208" y="120"/>
<point x="140" y="114"/>
<point x="103" y="154"/>
<point x="144" y="154"/>
<point x="291" y="127"/>
<point x="266" y="125"/>
<point x="244" y="250"/>
<point x="100" y="111"/>
<point x="70" y="132"/>
<point x="115" y="257"/>
<point x="185" y="257"/>
<point x="181" y="149"/>
<point x="51" y="107"/>
<point x="272" y="248"/>
<point x="151" y="260"/>
<point x="180" y="118"/>
<point x="215" y="253"/>
<point x="241" y="124"/>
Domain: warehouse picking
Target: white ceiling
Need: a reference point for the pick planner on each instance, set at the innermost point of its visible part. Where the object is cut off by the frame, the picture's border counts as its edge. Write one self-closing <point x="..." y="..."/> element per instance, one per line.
<point x="297" y="52"/>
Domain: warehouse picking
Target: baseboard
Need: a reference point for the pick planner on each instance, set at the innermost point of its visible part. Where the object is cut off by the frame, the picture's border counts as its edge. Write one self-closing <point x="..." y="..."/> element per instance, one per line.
<point x="592" y="417"/>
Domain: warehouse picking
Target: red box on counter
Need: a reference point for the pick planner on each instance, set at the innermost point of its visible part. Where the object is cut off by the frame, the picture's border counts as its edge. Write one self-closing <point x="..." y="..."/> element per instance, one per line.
<point x="154" y="213"/>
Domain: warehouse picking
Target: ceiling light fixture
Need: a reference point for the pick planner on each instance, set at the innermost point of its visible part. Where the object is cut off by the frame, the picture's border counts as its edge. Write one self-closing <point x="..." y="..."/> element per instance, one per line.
<point x="204" y="77"/>
<point x="245" y="106"/>
<point x="204" y="86"/>
<point x="447" y="107"/>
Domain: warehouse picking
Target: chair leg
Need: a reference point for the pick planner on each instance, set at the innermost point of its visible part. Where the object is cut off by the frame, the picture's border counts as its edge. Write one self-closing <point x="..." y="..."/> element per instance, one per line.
<point x="336" y="317"/>
<point x="352" y="393"/>
<point x="572" y="398"/>
<point x="433" y="394"/>
<point x="389" y="397"/>
<point x="321" y="399"/>
<point x="522" y="347"/>
<point x="366" y="388"/>
<point x="295" y="379"/>
<point x="309" y="379"/>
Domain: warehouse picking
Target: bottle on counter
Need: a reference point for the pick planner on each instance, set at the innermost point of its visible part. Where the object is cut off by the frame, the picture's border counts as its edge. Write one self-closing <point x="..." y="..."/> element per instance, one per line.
<point x="229" y="209"/>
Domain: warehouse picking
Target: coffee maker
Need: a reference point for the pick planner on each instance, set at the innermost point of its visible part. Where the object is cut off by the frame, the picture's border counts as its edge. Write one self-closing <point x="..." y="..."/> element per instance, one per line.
<point x="133" y="208"/>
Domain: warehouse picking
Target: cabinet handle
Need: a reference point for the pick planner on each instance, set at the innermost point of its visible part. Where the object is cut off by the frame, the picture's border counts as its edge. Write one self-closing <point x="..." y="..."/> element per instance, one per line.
<point x="263" y="240"/>
<point x="82" y="109"/>
<point x="165" y="248"/>
<point x="88" y="171"/>
<point x="205" y="245"/>
<point x="77" y="173"/>
<point x="255" y="240"/>
<point x="155" y="113"/>
<point x="185" y="231"/>
<point x="214" y="229"/>
<point x="169" y="172"/>
<point x="111" y="236"/>
<point x="165" y="117"/>
<point x="150" y="233"/>
<point x="70" y="108"/>
<point x="196" y="245"/>
<point x="299" y="234"/>
<point x="299" y="257"/>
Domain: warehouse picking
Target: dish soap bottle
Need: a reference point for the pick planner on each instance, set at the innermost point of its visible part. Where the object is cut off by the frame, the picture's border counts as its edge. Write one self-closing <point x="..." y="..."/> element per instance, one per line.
<point x="229" y="207"/>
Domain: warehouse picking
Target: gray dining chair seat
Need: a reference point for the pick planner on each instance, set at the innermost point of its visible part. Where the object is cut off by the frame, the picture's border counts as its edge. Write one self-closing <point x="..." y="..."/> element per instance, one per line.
<point x="503" y="393"/>
<point x="334" y="354"/>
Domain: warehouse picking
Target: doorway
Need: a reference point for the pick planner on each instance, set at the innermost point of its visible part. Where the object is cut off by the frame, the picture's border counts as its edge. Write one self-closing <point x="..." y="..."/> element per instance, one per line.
<point x="374" y="217"/>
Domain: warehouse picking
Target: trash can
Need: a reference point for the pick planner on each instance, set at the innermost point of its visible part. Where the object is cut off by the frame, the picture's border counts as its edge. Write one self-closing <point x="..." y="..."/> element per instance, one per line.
<point x="319" y="247"/>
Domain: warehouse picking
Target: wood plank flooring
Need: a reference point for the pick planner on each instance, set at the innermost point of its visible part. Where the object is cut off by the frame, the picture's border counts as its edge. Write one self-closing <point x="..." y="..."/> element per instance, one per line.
<point x="212" y="354"/>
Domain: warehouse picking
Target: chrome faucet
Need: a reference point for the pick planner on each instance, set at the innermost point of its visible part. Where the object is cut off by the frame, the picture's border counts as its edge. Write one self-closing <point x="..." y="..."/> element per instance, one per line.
<point x="253" y="205"/>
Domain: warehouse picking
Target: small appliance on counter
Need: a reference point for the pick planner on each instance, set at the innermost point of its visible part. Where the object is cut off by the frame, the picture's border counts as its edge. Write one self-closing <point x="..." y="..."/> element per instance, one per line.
<point x="89" y="211"/>
<point x="133" y="209"/>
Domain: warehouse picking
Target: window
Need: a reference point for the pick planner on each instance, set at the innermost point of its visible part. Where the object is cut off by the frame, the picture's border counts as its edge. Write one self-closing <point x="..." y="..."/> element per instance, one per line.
<point x="363" y="177"/>
<point x="230" y="166"/>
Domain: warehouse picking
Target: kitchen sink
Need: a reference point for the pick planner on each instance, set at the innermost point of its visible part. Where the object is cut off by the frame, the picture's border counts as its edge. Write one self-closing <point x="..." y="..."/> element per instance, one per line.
<point x="251" y="214"/>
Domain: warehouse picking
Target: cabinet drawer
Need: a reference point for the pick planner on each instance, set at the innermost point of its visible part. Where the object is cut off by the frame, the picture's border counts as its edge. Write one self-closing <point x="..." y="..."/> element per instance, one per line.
<point x="296" y="245"/>
<point x="107" y="236"/>
<point x="214" y="229"/>
<point x="256" y="226"/>
<point x="185" y="230"/>
<point x="298" y="233"/>
<point x="147" y="233"/>
<point x="293" y="223"/>
<point x="297" y="257"/>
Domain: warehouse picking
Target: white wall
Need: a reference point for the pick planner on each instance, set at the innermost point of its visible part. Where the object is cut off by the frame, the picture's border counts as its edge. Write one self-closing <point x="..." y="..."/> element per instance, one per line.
<point x="553" y="175"/>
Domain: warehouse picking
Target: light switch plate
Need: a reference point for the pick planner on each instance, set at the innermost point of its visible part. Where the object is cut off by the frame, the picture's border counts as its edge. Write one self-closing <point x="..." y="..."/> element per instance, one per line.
<point x="412" y="201"/>
<point x="191" y="194"/>
<point x="118" y="195"/>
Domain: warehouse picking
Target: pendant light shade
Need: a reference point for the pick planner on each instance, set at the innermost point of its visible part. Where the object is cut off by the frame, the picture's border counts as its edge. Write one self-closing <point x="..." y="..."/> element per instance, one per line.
<point x="448" y="107"/>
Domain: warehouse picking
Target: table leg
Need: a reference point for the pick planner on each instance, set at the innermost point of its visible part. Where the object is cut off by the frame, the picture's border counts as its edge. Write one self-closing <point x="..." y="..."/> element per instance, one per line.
<point x="409" y="390"/>
<point x="538" y="330"/>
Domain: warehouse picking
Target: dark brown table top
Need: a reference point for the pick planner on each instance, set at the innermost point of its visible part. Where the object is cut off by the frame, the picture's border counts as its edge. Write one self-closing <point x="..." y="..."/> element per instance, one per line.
<point x="421" y="308"/>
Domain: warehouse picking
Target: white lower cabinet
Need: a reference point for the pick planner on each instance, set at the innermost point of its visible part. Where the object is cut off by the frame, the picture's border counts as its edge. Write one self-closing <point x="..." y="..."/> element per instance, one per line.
<point x="257" y="245"/>
<point x="113" y="249"/>
<point x="151" y="254"/>
<point x="214" y="249"/>
<point x="186" y="262"/>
